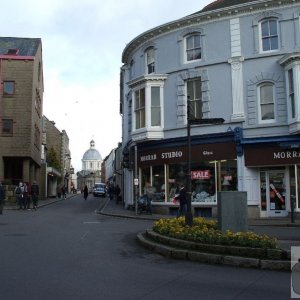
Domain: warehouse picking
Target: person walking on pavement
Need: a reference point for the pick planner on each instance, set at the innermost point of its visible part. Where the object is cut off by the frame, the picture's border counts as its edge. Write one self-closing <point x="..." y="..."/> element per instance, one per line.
<point x="64" y="192"/>
<point x="26" y="200"/>
<point x="35" y="194"/>
<point x="182" y="201"/>
<point x="85" y="192"/>
<point x="2" y="197"/>
<point x="19" y="195"/>
<point x="117" y="193"/>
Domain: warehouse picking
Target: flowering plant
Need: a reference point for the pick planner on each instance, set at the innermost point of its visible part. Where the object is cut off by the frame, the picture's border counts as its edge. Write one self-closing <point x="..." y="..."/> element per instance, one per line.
<point x="206" y="231"/>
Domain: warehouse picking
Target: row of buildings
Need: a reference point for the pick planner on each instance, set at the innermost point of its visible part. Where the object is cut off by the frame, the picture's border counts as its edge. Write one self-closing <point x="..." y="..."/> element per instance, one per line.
<point x="31" y="147"/>
<point x="224" y="84"/>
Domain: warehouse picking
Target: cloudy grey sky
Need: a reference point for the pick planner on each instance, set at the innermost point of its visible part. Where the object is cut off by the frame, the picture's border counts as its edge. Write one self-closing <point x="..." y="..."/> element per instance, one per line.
<point x="82" y="43"/>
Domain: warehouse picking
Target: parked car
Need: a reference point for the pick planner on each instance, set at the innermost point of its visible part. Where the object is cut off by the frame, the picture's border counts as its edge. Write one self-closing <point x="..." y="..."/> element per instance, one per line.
<point x="99" y="189"/>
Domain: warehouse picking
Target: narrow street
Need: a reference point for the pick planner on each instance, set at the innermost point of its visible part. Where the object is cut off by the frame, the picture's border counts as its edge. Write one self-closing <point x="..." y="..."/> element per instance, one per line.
<point x="66" y="251"/>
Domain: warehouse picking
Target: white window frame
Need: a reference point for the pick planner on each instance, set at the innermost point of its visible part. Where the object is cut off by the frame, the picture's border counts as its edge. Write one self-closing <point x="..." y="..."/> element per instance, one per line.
<point x="148" y="106"/>
<point x="150" y="60"/>
<point x="186" y="49"/>
<point x="259" y="103"/>
<point x="261" y="38"/>
<point x="194" y="100"/>
<point x="290" y="94"/>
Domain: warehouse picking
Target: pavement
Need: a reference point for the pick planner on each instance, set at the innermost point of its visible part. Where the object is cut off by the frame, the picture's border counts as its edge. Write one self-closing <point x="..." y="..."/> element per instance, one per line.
<point x="272" y="225"/>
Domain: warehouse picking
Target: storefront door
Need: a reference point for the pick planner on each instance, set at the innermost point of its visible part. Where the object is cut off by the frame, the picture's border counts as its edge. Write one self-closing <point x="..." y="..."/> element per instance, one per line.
<point x="276" y="193"/>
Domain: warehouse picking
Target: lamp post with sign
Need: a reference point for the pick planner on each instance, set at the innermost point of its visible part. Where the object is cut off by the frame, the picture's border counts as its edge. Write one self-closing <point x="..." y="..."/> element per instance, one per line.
<point x="192" y="120"/>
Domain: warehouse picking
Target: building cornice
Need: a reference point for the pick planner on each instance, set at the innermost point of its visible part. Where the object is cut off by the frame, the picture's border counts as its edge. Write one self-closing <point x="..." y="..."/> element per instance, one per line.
<point x="200" y="18"/>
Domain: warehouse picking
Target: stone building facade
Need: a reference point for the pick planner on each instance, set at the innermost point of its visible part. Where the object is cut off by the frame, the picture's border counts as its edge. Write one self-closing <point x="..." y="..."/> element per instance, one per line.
<point x="21" y="102"/>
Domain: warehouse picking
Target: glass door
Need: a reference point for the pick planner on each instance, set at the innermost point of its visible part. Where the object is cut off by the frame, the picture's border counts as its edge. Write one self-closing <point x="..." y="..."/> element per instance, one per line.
<point x="276" y="194"/>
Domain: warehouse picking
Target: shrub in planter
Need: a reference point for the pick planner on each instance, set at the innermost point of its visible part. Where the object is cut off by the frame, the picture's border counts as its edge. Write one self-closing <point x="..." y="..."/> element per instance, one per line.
<point x="206" y="231"/>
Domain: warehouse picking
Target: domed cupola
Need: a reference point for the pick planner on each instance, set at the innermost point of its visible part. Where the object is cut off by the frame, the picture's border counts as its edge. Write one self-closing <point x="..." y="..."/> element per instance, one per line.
<point x="91" y="159"/>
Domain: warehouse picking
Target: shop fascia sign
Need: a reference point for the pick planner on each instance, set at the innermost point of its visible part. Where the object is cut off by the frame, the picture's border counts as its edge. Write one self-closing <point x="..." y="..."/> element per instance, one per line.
<point x="200" y="174"/>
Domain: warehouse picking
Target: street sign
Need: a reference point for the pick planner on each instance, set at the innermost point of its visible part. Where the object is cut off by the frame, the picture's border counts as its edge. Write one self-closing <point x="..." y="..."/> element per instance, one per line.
<point x="136" y="181"/>
<point x="206" y="121"/>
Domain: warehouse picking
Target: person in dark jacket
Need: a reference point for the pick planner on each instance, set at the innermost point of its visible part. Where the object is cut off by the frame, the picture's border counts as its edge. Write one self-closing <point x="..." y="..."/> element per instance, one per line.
<point x="35" y="194"/>
<point x="85" y="192"/>
<point x="182" y="201"/>
<point x="2" y="198"/>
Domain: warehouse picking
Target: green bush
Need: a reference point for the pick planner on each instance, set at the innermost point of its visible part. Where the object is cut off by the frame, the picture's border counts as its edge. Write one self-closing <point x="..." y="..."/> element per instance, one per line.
<point x="206" y="231"/>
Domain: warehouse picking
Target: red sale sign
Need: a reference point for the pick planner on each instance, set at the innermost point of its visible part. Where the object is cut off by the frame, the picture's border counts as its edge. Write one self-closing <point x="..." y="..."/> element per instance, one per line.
<point x="200" y="174"/>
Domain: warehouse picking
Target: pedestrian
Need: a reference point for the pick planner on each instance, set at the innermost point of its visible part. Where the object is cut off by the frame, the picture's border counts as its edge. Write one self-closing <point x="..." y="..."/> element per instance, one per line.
<point x="85" y="192"/>
<point x="182" y="201"/>
<point x="2" y="197"/>
<point x="35" y="194"/>
<point x="58" y="192"/>
<point x="64" y="192"/>
<point x="117" y="193"/>
<point x="19" y="195"/>
<point x="111" y="191"/>
<point x="149" y="192"/>
<point x="26" y="200"/>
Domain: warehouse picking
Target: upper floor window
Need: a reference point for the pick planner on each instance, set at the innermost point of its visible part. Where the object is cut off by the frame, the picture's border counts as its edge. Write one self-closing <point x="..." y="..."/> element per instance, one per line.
<point x="155" y="106"/>
<point x="269" y="35"/>
<point x="7" y="127"/>
<point x="193" y="47"/>
<point x="266" y="102"/>
<point x="194" y="96"/>
<point x="139" y="108"/>
<point x="8" y="88"/>
<point x="291" y="92"/>
<point x="37" y="137"/>
<point x="150" y="60"/>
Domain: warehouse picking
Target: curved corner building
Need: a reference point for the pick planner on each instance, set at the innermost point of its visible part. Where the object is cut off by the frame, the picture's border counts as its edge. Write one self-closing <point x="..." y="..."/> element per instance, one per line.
<point x="232" y="70"/>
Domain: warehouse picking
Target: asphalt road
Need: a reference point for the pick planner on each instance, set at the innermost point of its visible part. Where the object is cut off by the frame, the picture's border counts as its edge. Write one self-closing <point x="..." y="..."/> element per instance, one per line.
<point x="66" y="251"/>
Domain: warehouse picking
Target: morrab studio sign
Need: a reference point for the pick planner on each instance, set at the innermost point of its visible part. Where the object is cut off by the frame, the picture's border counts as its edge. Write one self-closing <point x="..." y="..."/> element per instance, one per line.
<point x="270" y="156"/>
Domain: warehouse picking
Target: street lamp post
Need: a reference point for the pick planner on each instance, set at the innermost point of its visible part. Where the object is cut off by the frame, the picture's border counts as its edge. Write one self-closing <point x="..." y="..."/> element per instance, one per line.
<point x="193" y="121"/>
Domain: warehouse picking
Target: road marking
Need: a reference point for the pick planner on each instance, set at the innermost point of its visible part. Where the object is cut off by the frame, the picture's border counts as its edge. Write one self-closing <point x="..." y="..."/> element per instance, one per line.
<point x="91" y="222"/>
<point x="84" y="235"/>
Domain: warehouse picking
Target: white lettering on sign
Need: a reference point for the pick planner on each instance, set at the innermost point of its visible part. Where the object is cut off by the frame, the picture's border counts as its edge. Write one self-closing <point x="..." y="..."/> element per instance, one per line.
<point x="173" y="154"/>
<point x="201" y="174"/>
<point x="208" y="153"/>
<point x="286" y="154"/>
<point x="148" y="157"/>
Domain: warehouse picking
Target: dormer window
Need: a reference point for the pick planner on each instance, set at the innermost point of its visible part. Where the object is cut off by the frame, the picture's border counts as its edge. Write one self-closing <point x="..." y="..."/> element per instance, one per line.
<point x="12" y="51"/>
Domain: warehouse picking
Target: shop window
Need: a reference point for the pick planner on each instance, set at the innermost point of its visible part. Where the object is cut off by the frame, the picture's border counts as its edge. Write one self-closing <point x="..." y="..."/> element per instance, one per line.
<point x="158" y="183"/>
<point x="266" y="102"/>
<point x="269" y="35"/>
<point x="194" y="98"/>
<point x="193" y="47"/>
<point x="263" y="191"/>
<point x="8" y="88"/>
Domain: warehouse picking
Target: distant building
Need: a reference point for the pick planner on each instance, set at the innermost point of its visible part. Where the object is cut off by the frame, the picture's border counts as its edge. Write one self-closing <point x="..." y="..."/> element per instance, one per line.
<point x="91" y="168"/>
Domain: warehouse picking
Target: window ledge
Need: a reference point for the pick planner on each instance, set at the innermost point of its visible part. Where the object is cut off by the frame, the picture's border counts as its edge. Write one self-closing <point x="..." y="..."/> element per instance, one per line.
<point x="147" y="134"/>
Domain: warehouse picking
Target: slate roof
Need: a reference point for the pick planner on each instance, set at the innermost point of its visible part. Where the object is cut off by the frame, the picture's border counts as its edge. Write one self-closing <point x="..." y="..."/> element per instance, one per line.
<point x="26" y="46"/>
<point x="223" y="3"/>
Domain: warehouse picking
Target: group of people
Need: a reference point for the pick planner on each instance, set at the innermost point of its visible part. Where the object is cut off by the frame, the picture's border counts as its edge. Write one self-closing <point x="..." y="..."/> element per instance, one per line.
<point x="25" y="193"/>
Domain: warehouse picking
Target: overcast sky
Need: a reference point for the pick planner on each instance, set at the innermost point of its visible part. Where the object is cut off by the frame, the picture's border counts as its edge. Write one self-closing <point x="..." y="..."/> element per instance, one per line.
<point x="82" y="44"/>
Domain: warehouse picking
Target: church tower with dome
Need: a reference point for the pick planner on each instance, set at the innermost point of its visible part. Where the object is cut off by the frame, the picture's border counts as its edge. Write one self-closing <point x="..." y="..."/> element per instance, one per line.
<point x="91" y="160"/>
<point x="91" y="168"/>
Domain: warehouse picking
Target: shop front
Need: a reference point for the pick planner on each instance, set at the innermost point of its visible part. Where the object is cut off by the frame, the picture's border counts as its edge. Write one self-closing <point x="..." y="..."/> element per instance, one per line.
<point x="213" y="169"/>
<point x="279" y="171"/>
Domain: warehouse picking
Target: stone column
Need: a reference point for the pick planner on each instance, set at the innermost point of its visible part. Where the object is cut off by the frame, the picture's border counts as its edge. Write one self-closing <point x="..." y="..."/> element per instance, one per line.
<point x="26" y="170"/>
